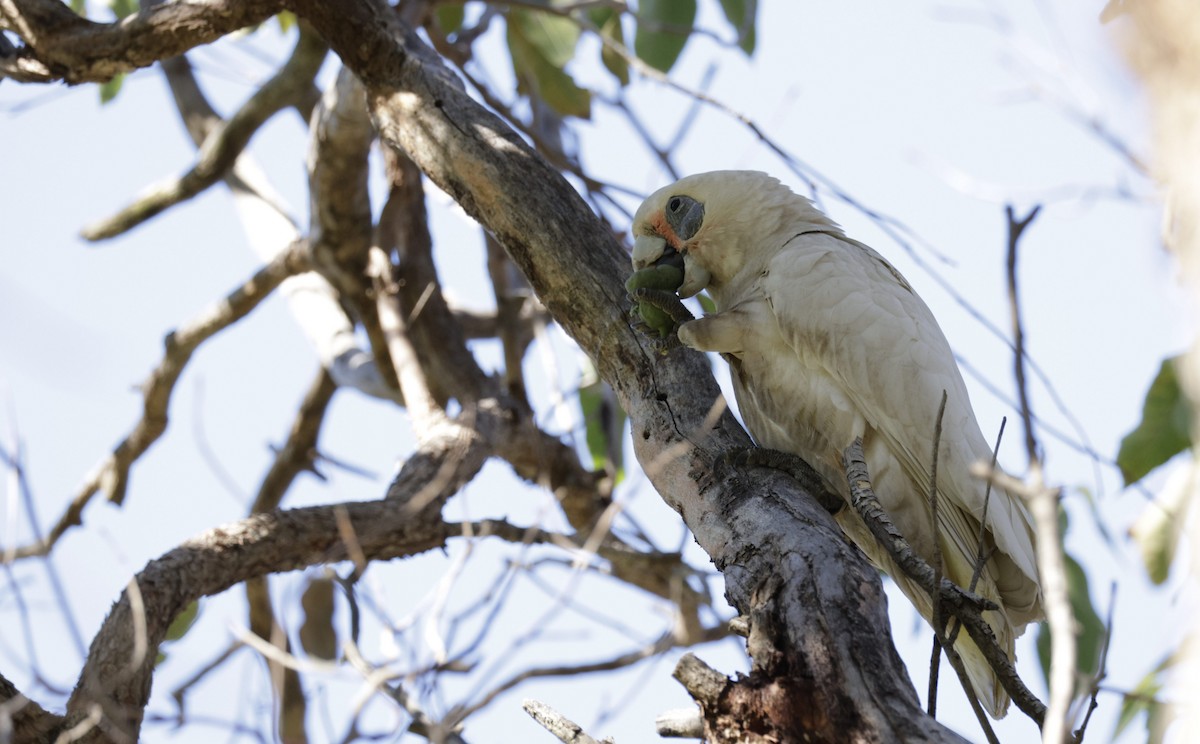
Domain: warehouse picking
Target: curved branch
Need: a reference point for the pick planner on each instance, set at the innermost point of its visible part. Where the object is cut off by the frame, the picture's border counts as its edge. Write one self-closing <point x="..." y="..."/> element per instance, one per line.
<point x="112" y="474"/>
<point x="785" y="562"/>
<point x="60" y="45"/>
<point x="288" y="87"/>
<point x="23" y="721"/>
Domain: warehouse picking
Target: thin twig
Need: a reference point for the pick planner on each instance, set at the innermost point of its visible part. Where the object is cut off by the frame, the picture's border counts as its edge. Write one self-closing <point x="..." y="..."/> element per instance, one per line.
<point x="112" y="474"/>
<point x="222" y="147"/>
<point x="965" y="605"/>
<point x="1103" y="671"/>
<point x="1043" y="505"/>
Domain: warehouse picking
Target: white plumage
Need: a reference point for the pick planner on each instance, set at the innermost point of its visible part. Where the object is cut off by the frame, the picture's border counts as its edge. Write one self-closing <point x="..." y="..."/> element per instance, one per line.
<point x="827" y="342"/>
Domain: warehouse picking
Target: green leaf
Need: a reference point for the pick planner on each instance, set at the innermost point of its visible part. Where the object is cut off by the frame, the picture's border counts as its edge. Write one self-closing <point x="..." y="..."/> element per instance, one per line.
<point x="318" y="637"/>
<point x="1143" y="698"/>
<point x="706" y="303"/>
<point x="110" y="89"/>
<point x="541" y="44"/>
<point x="604" y="420"/>
<point x="183" y="622"/>
<point x="80" y="7"/>
<point x="1157" y="529"/>
<point x="740" y="14"/>
<point x="449" y="17"/>
<point x="553" y="36"/>
<point x="1089" y="637"/>
<point x="1165" y="429"/>
<point x="122" y="8"/>
<point x="286" y="20"/>
<point x="608" y="22"/>
<point x="663" y="28"/>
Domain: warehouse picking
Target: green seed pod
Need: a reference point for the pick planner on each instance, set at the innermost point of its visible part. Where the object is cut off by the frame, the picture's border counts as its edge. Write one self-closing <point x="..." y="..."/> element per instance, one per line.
<point x="664" y="277"/>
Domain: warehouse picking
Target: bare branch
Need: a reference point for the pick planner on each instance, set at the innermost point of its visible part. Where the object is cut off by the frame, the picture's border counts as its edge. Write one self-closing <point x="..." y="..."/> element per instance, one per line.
<point x="563" y="728"/>
<point x="1043" y="505"/>
<point x="60" y="45"/>
<point x="226" y="141"/>
<point x="965" y="605"/>
<point x="112" y="474"/>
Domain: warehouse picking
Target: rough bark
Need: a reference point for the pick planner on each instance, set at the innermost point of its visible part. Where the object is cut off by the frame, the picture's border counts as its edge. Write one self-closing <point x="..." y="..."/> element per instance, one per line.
<point x="824" y="668"/>
<point x="824" y="665"/>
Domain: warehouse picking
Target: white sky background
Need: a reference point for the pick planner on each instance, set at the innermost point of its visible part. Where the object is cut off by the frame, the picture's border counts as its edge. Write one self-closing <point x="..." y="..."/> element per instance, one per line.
<point x="935" y="113"/>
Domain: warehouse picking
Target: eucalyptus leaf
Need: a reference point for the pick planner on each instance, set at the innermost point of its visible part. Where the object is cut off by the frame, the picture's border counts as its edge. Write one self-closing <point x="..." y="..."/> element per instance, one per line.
<point x="183" y="622"/>
<point x="1089" y="638"/>
<point x="740" y="14"/>
<point x="110" y="88"/>
<point x="449" y="17"/>
<point x="608" y="22"/>
<point x="541" y="44"/>
<point x="663" y="28"/>
<point x="1165" y="428"/>
<point x="604" y="420"/>
<point x="1157" y="529"/>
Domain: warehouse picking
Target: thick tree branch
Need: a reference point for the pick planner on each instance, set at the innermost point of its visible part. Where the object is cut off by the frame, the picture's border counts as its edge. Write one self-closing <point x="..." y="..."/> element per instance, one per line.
<point x="785" y="562"/>
<point x="60" y="45"/>
<point x="23" y="721"/>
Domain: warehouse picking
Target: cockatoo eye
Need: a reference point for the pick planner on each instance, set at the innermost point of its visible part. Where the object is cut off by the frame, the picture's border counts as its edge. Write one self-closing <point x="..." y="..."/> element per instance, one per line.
<point x="684" y="214"/>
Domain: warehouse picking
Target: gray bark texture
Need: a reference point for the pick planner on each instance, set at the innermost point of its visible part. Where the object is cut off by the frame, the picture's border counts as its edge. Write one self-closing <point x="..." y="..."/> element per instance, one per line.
<point x="824" y="666"/>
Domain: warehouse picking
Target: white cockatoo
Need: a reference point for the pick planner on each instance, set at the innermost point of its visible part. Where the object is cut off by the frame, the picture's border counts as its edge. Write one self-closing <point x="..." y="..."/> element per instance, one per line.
<point x="827" y="342"/>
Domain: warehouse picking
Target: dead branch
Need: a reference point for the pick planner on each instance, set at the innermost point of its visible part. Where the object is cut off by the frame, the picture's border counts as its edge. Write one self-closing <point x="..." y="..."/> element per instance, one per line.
<point x="1043" y="505"/>
<point x="112" y="474"/>
<point x="563" y="728"/>
<point x="60" y="45"/>
<point x="225" y="142"/>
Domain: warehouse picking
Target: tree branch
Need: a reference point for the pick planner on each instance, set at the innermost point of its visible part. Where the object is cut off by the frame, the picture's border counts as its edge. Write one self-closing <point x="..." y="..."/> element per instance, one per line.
<point x="226" y="141"/>
<point x="1043" y="505"/>
<point x="965" y="605"/>
<point x="785" y="562"/>
<point x="60" y="45"/>
<point x="112" y="474"/>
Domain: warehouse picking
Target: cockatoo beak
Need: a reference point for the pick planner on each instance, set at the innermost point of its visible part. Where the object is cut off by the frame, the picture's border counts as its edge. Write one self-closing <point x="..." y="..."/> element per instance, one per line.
<point x="647" y="249"/>
<point x="651" y="249"/>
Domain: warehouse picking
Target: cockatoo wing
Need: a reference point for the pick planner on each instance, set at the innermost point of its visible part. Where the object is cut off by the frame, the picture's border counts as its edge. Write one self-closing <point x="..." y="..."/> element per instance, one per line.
<point x="862" y="331"/>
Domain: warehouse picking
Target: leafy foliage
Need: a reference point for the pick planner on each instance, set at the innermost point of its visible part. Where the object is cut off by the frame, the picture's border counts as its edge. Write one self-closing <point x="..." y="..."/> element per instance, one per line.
<point x="1143" y="698"/>
<point x="663" y="29"/>
<point x="541" y="45"/>
<point x="1090" y="631"/>
<point x="1165" y="428"/>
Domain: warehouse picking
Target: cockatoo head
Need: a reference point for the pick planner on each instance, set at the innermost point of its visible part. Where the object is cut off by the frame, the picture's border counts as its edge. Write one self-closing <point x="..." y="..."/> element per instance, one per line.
<point x="715" y="223"/>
